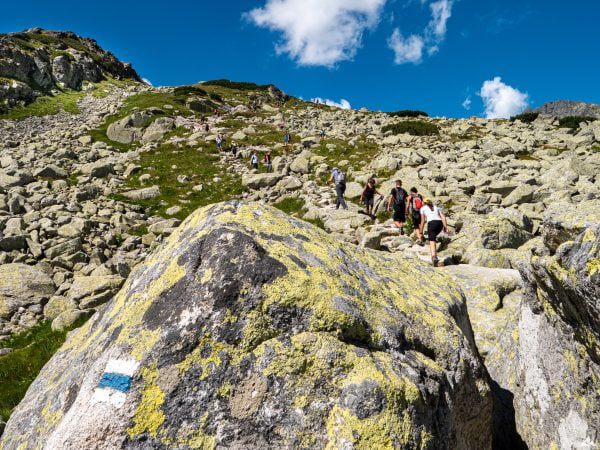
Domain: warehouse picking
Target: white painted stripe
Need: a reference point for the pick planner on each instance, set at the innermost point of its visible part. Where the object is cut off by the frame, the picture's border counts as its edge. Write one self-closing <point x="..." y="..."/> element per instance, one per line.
<point x="115" y="398"/>
<point x="122" y="366"/>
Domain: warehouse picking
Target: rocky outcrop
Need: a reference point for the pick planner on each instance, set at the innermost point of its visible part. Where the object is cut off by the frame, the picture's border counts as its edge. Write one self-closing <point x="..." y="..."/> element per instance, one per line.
<point x="548" y="362"/>
<point x="564" y="108"/>
<point x="36" y="61"/>
<point x="250" y="329"/>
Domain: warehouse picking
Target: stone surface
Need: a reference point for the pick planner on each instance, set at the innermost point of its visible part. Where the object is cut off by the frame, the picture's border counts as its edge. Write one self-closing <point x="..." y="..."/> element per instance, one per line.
<point x="288" y="335"/>
<point x="22" y="285"/>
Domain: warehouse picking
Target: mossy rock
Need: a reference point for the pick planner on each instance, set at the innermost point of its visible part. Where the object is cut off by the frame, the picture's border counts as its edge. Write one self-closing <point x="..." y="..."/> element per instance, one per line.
<point x="251" y="329"/>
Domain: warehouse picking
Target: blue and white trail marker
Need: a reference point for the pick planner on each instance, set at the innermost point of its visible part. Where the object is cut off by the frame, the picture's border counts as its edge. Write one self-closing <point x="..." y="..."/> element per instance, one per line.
<point x="115" y="382"/>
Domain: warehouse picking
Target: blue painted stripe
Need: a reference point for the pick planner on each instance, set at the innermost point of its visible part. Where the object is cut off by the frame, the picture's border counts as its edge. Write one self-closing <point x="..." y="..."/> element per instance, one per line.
<point x="115" y="381"/>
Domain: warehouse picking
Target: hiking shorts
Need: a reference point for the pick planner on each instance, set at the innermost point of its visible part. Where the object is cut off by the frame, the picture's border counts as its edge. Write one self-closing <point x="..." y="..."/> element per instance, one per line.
<point x="434" y="228"/>
<point x="369" y="201"/>
<point x="399" y="214"/>
<point x="416" y="219"/>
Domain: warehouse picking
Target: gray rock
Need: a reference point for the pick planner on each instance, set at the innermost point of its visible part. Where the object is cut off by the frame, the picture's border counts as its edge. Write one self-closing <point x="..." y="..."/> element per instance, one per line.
<point x="143" y="194"/>
<point x="22" y="285"/>
<point x="51" y="171"/>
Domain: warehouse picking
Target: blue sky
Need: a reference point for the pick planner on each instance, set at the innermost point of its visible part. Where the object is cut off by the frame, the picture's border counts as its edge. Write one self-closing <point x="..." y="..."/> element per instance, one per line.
<point x="528" y="52"/>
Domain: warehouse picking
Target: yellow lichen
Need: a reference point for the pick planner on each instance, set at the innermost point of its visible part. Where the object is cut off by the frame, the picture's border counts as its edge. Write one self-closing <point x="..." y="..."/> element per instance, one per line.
<point x="206" y="277"/>
<point x="148" y="416"/>
<point x="301" y="401"/>
<point x="200" y="439"/>
<point x="225" y="390"/>
<point x="593" y="267"/>
<point x="206" y="363"/>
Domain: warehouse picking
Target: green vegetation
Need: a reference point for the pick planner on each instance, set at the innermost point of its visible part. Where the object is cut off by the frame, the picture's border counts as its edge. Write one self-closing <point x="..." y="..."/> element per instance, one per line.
<point x="200" y="165"/>
<point x="46" y="106"/>
<point x="526" y="157"/>
<point x="574" y="122"/>
<point x="291" y="206"/>
<point x="142" y="100"/>
<point x="408" y="113"/>
<point x="31" y="350"/>
<point x="186" y="91"/>
<point x="241" y="86"/>
<point x="413" y="127"/>
<point x="360" y="155"/>
<point x="527" y="117"/>
<point x="596" y="148"/>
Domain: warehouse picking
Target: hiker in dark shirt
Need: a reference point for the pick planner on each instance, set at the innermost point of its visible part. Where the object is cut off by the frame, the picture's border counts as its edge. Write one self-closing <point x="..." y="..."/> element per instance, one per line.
<point x="368" y="196"/>
<point x="399" y="199"/>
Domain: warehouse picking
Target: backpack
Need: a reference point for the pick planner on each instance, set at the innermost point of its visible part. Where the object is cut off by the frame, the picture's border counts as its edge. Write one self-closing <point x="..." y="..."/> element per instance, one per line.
<point x="400" y="196"/>
<point x="417" y="203"/>
<point x="340" y="178"/>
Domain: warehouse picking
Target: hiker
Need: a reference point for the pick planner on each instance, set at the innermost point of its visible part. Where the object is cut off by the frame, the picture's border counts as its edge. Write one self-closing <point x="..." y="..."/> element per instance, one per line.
<point x="322" y="133"/>
<point x="286" y="138"/>
<point x="220" y="143"/>
<point x="436" y="223"/>
<point x="338" y="178"/>
<point x="268" y="162"/>
<point x="254" y="160"/>
<point x="368" y="196"/>
<point x="399" y="200"/>
<point x="234" y="149"/>
<point x="416" y="203"/>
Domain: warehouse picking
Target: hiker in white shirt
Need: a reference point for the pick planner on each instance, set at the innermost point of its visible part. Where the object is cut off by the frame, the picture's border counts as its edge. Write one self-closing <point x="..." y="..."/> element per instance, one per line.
<point x="436" y="223"/>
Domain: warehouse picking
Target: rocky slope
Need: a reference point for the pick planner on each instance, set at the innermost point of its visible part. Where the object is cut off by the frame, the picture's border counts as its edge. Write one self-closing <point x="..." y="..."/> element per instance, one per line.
<point x="86" y="200"/>
<point x="564" y="108"/>
<point x="37" y="62"/>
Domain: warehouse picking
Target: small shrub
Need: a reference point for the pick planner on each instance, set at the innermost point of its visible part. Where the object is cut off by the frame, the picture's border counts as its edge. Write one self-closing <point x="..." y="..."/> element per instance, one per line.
<point x="186" y="91"/>
<point x="596" y="149"/>
<point x="527" y="117"/>
<point x="317" y="222"/>
<point x="574" y="122"/>
<point x="409" y="113"/>
<point x="241" y="86"/>
<point x="413" y="127"/>
<point x="290" y="206"/>
<point x="216" y="97"/>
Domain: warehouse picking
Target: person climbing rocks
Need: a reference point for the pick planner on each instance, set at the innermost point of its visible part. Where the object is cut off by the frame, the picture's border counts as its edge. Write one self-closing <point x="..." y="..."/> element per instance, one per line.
<point x="368" y="196"/>
<point x="416" y="203"/>
<point x="268" y="162"/>
<point x="399" y="200"/>
<point x="254" y="160"/>
<point x="286" y="138"/>
<point x="436" y="223"/>
<point x="338" y="178"/>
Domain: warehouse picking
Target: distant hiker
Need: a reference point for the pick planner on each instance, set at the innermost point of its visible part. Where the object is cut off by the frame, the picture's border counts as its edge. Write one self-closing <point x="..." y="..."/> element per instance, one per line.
<point x="254" y="105"/>
<point x="286" y="138"/>
<point x="254" y="160"/>
<point x="338" y="178"/>
<point x="436" y="223"/>
<point x="234" y="149"/>
<point x="206" y="127"/>
<point x="322" y="133"/>
<point x="368" y="196"/>
<point x="416" y="203"/>
<point x="268" y="162"/>
<point x="220" y="142"/>
<point x="399" y="201"/>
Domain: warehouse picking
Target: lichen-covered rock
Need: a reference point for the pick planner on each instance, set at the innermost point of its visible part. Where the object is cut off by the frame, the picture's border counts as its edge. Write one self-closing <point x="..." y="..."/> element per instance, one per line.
<point x="250" y="329"/>
<point x="21" y="286"/>
<point x="548" y="364"/>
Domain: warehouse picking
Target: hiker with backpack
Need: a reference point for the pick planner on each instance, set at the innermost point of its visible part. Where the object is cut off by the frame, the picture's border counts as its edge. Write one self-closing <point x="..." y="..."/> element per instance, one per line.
<point x="436" y="223"/>
<point x="286" y="138"/>
<point x="254" y="160"/>
<point x="399" y="199"/>
<point x="268" y="162"/>
<point x="416" y="203"/>
<point x="368" y="196"/>
<point x="220" y="143"/>
<point x="338" y="178"/>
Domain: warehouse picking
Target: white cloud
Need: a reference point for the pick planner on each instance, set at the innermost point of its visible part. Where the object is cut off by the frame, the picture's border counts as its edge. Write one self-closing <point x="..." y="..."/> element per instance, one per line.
<point x="343" y="103"/>
<point x="406" y="50"/>
<point x="319" y="32"/>
<point x="147" y="81"/>
<point x="441" y="11"/>
<point x="502" y="101"/>
<point x="467" y="103"/>
<point x="410" y="49"/>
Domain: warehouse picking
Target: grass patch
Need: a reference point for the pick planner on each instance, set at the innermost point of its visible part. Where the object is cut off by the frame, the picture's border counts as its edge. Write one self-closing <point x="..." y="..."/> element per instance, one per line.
<point x="316" y="222"/>
<point x="142" y="100"/>
<point x="526" y="157"/>
<point x="527" y="117"/>
<point x="359" y="155"/>
<point x="240" y="86"/>
<point x="408" y="113"/>
<point x="412" y="127"/>
<point x="574" y="122"/>
<point x="200" y="165"/>
<point x="47" y="106"/>
<point x="596" y="148"/>
<point x="31" y="350"/>
<point x="291" y="206"/>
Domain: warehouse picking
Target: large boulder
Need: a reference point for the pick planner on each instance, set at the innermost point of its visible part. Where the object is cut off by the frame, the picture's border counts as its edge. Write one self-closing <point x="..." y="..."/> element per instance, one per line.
<point x="21" y="286"/>
<point x="261" y="180"/>
<point x="548" y="363"/>
<point x="314" y="344"/>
